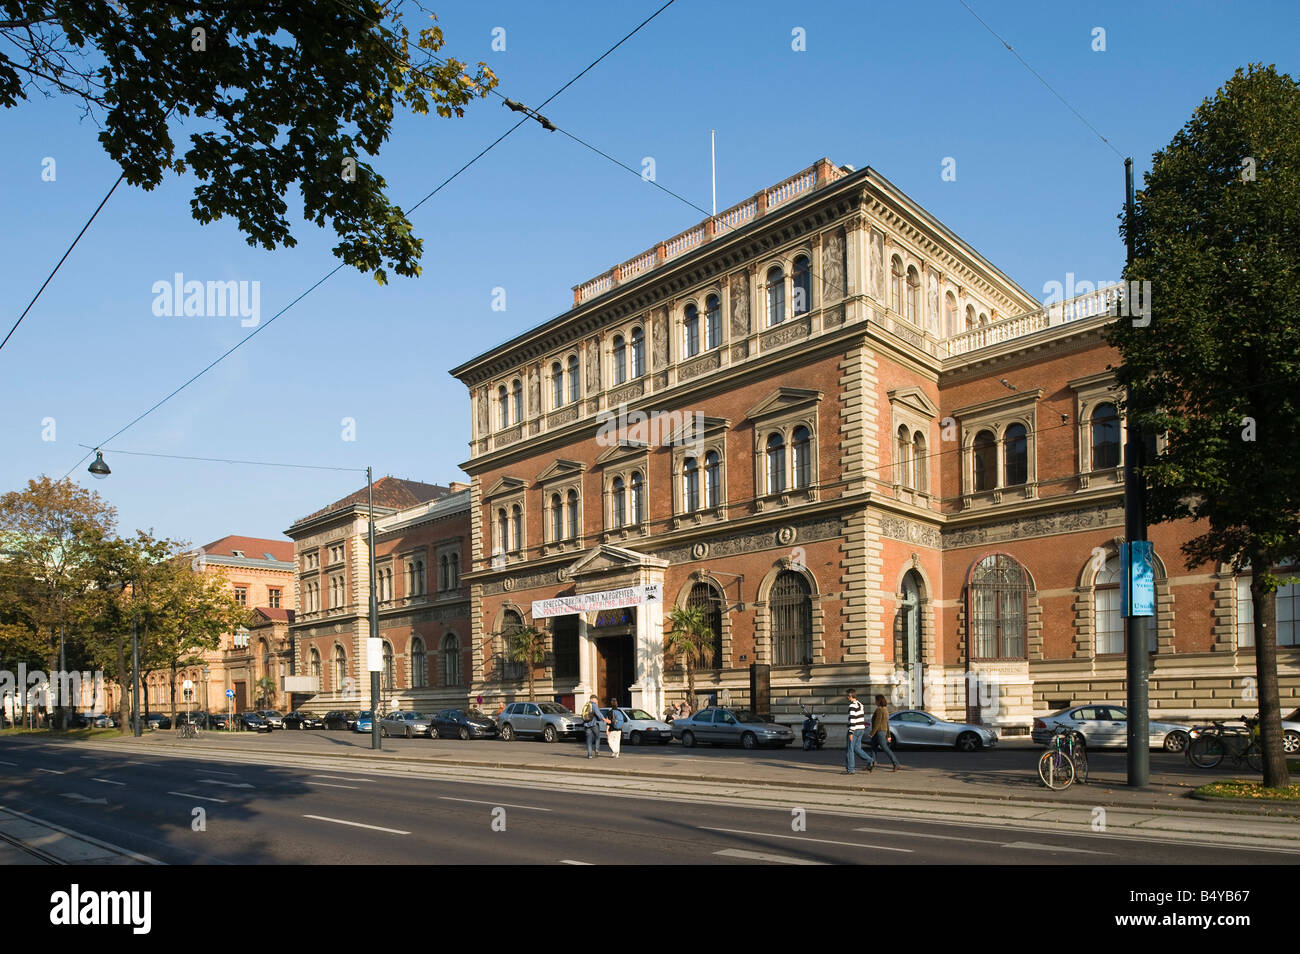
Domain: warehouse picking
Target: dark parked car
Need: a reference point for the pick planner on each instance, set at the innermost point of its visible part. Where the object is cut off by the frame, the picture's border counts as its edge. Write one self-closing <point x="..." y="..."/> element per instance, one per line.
<point x="459" y="724"/>
<point x="156" y="720"/>
<point x="217" y="720"/>
<point x="303" y="720"/>
<point x="730" y="727"/>
<point x="340" y="719"/>
<point x="252" y="722"/>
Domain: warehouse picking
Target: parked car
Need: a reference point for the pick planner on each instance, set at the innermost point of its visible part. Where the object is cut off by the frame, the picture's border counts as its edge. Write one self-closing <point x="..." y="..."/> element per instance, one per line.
<point x="276" y="719"/>
<point x="252" y="722"/>
<point x="340" y="719"/>
<point x="1106" y="724"/>
<point x="720" y="726"/>
<point x="1291" y="733"/>
<point x="546" y="720"/>
<point x="640" y="727"/>
<point x="459" y="724"/>
<point x="362" y="722"/>
<point x="156" y="720"/>
<point x="198" y="718"/>
<point x="218" y="720"/>
<point x="407" y="723"/>
<point x="303" y="720"/>
<point x="918" y="727"/>
<point x="103" y="721"/>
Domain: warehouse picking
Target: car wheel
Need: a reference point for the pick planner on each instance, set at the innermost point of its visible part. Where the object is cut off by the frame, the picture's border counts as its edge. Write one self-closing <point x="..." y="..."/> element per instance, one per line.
<point x="548" y="734"/>
<point x="968" y="742"/>
<point x="464" y="733"/>
<point x="507" y="733"/>
<point x="1290" y="742"/>
<point x="749" y="740"/>
<point x="688" y="739"/>
<point x="635" y="738"/>
<point x="383" y="731"/>
<point x="408" y="731"/>
<point x="1176" y="742"/>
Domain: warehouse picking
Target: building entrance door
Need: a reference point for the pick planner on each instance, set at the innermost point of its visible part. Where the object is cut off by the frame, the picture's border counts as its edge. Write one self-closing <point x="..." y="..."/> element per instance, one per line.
<point x="615" y="668"/>
<point x="241" y="697"/>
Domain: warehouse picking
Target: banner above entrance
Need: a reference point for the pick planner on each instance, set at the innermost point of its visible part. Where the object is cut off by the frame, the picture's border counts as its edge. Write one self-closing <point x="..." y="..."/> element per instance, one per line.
<point x="605" y="599"/>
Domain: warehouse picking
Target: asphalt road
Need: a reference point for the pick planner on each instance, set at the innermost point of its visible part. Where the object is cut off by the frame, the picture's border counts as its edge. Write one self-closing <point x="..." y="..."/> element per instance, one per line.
<point x="267" y="814"/>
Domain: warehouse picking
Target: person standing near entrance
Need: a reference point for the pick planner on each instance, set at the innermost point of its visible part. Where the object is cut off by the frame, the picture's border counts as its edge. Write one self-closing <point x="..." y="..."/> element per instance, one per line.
<point x="593" y="720"/>
<point x="853" y="741"/>
<point x="615" y="728"/>
<point x="880" y="730"/>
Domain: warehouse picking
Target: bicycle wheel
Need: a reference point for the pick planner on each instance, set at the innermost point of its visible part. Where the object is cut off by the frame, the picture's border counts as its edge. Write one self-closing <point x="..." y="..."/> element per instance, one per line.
<point x="1080" y="759"/>
<point x="1056" y="771"/>
<point x="1254" y="757"/>
<point x="1206" y="751"/>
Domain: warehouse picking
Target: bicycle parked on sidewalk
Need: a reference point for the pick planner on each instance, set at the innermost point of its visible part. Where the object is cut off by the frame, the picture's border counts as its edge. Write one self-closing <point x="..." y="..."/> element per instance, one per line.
<point x="1215" y="741"/>
<point x="1065" y="761"/>
<point x="187" y="726"/>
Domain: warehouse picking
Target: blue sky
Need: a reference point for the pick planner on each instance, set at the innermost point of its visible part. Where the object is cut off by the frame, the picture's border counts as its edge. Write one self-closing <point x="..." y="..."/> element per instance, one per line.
<point x="898" y="87"/>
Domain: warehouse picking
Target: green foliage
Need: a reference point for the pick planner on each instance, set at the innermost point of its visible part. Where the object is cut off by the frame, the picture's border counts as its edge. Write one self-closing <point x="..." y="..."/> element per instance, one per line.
<point x="527" y="645"/>
<point x="690" y="636"/>
<point x="269" y="95"/>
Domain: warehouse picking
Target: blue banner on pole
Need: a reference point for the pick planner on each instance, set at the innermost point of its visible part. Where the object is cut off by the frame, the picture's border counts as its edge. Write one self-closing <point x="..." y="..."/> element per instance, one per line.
<point x="1137" y="579"/>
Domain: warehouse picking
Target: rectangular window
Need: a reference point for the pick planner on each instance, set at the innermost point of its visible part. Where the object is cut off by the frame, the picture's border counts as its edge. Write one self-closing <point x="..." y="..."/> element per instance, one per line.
<point x="273" y="598"/>
<point x="1110" y="626"/>
<point x="241" y="595"/>
<point x="1288" y="614"/>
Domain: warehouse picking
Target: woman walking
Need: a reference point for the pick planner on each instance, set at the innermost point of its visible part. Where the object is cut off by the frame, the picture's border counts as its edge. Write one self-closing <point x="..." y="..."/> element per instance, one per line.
<point x="880" y="730"/>
<point x="615" y="728"/>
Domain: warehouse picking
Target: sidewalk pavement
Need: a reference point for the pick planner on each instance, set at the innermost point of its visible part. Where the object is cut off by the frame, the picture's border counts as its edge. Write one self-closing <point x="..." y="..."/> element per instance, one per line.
<point x="25" y="840"/>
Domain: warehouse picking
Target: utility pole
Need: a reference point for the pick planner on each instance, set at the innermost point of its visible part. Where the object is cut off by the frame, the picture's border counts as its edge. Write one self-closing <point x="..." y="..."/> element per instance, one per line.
<point x="376" y="741"/>
<point x="1137" y="644"/>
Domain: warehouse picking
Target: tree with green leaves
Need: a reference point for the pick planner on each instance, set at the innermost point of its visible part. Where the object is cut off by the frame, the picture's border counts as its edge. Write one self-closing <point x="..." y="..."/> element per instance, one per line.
<point x="527" y="646"/>
<point x="268" y="95"/>
<point x="689" y="639"/>
<point x="1216" y="368"/>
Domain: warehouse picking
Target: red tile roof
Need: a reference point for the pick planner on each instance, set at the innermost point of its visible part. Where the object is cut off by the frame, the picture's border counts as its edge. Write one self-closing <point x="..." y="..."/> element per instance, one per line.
<point x="254" y="548"/>
<point x="392" y="493"/>
<point x="276" y="613"/>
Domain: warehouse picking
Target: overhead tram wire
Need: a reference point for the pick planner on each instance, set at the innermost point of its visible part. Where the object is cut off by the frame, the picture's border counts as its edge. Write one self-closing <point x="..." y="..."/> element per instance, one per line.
<point x="226" y="460"/>
<point x="341" y="265"/>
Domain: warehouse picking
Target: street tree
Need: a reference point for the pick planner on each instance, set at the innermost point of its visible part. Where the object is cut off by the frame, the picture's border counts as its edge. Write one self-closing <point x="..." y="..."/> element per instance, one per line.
<point x="1215" y="370"/>
<point x="270" y="96"/>
<point x="687" y="641"/>
<point x="528" y="648"/>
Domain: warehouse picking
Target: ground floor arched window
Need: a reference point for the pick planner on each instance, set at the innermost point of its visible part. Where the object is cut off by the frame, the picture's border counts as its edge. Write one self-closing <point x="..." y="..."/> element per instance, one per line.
<point x="791" y="608"/>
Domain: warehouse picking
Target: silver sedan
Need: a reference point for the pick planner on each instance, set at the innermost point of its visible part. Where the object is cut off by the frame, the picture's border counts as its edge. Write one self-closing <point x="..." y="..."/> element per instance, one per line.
<point x="1102" y="725"/>
<point x="918" y="727"/>
<point x="406" y="724"/>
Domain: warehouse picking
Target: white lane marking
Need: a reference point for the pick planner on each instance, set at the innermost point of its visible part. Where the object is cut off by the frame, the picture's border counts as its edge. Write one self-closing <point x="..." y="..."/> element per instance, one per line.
<point x="480" y="801"/>
<point x="215" y="772"/>
<point x="980" y="841"/>
<point x="340" y="821"/>
<point x="52" y="771"/>
<point x="14" y="764"/>
<point x="202" y="798"/>
<point x="344" y="778"/>
<point x="1037" y="847"/>
<point x="569" y="861"/>
<point x="78" y="797"/>
<point x="355" y="788"/>
<point x="138" y="763"/>
<point x="214" y="781"/>
<point x="107" y="781"/>
<point x="824" y="841"/>
<point x="763" y="856"/>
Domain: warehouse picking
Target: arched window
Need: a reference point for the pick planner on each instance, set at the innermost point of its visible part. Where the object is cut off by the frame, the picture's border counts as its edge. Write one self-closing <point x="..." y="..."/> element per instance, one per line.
<point x="775" y="464"/>
<point x="896" y="285"/>
<point x="997" y="603"/>
<point x="420" y="579"/>
<point x="575" y="383"/>
<point x="970" y="317"/>
<point x="950" y="314"/>
<point x="712" y="479"/>
<point x="801" y="457"/>
<point x="574" y="515"/>
<point x="920" y="462"/>
<point x="691" y="485"/>
<point x="444" y="578"/>
<point x="419" y="664"/>
<point x="913" y="302"/>
<point x="984" y="319"/>
<point x="389" y="682"/>
<point x="340" y="668"/>
<point x="775" y="295"/>
<point x="691" y="330"/>
<point x="388" y="582"/>
<point x="313" y="667"/>
<point x="511" y="623"/>
<point x="450" y="660"/>
<point x="557" y="518"/>
<point x="903" y="457"/>
<point x="620" y="502"/>
<point x="791" y="605"/>
<point x="557" y="385"/>
<point x="706" y="597"/>
<point x="517" y="401"/>
<point x="638" y="352"/>
<point x="712" y="322"/>
<point x="1105" y="436"/>
<point x="503" y="407"/>
<point x="1015" y="467"/>
<point x="638" y="499"/>
<point x="454" y="571"/>
<point x="984" y="461"/>
<point x="517" y="527"/>
<point x="802" y="286"/>
<point x="1108" y="624"/>
<point x="620" y="360"/>
<point x="503" y="531"/>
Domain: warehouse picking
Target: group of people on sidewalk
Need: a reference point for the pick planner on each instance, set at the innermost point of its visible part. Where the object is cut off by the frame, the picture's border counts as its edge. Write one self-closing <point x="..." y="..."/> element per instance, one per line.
<point x="603" y="723"/>
<point x="858" y="725"/>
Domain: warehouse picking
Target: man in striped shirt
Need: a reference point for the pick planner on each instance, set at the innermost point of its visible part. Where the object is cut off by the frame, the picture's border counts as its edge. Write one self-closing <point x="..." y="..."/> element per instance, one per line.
<point x="853" y="742"/>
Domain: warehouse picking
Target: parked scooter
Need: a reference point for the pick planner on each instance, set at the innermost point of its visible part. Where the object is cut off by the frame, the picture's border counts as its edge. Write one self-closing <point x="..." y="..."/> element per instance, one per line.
<point x="814" y="733"/>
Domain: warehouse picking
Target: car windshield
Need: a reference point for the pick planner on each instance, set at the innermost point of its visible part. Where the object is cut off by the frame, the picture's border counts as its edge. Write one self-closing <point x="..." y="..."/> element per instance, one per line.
<point x="638" y="714"/>
<point x="553" y="708"/>
<point x="363" y="715"/>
